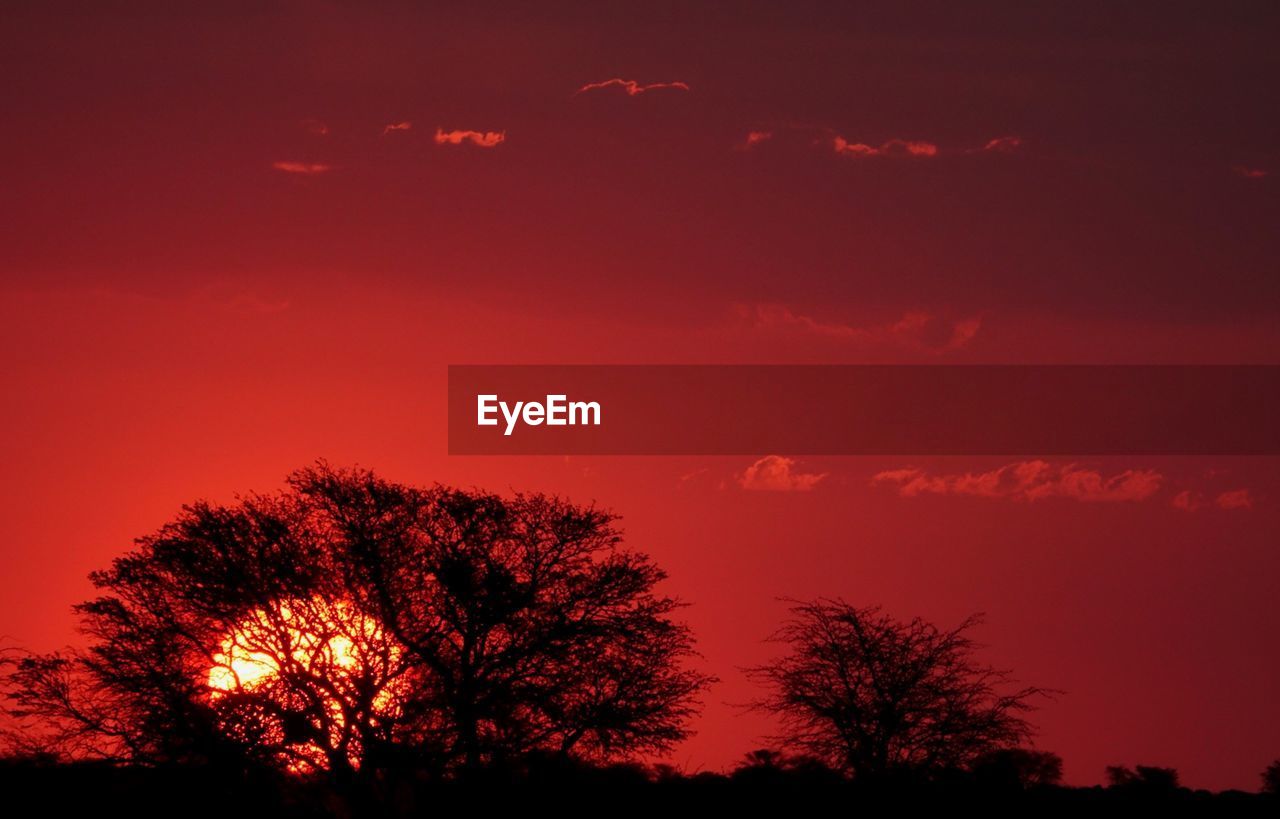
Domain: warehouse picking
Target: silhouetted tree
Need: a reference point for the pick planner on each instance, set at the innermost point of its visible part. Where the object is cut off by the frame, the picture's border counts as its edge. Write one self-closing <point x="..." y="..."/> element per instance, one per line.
<point x="1018" y="768"/>
<point x="768" y="767"/>
<point x="875" y="696"/>
<point x="1271" y="779"/>
<point x="351" y="621"/>
<point x="1145" y="778"/>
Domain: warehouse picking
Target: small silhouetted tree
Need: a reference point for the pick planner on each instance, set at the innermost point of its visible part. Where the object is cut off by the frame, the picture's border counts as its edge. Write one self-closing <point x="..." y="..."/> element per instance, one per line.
<point x="1271" y="779"/>
<point x="874" y="696"/>
<point x="1145" y="778"/>
<point x="1018" y="768"/>
<point x="771" y="768"/>
<point x="351" y="622"/>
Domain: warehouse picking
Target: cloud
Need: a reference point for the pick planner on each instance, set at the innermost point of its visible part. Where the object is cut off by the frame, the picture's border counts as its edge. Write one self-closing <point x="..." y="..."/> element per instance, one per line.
<point x="1027" y="481"/>
<point x="315" y="127"/>
<point x="916" y="328"/>
<point x="693" y="475"/>
<point x="304" y="168"/>
<point x="1190" y="500"/>
<point x="754" y="138"/>
<point x="1246" y="172"/>
<point x="391" y="128"/>
<point x="917" y="149"/>
<point x="894" y="148"/>
<point x="481" y="139"/>
<point x="632" y="87"/>
<point x="1004" y="144"/>
<point x="1234" y="499"/>
<point x="774" y="473"/>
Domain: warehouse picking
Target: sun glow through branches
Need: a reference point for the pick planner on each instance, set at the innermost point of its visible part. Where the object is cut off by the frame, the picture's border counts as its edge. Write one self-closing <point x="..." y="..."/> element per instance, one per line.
<point x="311" y="678"/>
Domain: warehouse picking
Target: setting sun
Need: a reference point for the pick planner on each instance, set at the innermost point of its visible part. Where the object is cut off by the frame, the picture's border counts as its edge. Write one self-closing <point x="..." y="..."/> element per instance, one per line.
<point x="313" y="662"/>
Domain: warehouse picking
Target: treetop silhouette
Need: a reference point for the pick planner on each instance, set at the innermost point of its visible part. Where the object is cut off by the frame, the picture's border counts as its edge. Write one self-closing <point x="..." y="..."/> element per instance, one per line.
<point x="351" y="622"/>
<point x="874" y="696"/>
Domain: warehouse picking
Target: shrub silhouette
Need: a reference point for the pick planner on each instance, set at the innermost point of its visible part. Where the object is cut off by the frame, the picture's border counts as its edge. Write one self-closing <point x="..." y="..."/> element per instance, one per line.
<point x="1018" y="768"/>
<point x="875" y="697"/>
<point x="767" y="767"/>
<point x="353" y="623"/>
<point x="1145" y="778"/>
<point x="1271" y="779"/>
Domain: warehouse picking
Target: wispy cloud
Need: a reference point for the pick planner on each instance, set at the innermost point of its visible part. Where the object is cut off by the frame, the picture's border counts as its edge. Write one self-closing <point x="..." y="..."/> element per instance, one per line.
<point x="481" y="139"/>
<point x="1027" y="481"/>
<point x="1249" y="172"/>
<point x="774" y="473"/>
<point x="1003" y="145"/>
<point x="1190" y="500"/>
<point x="1234" y="499"/>
<point x="315" y="127"/>
<point x="917" y="148"/>
<point x="894" y="148"/>
<point x="631" y="87"/>
<point x="304" y="168"/>
<point x="916" y="328"/>
<point x="755" y="138"/>
<point x="392" y="127"/>
<point x="692" y="475"/>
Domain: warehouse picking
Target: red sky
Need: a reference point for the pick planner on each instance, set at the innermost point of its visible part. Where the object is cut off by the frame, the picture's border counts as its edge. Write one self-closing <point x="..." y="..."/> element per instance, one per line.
<point x="237" y="240"/>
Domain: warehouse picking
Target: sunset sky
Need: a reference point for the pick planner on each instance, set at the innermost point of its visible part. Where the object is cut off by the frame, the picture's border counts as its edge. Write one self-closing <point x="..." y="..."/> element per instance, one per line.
<point x="242" y="237"/>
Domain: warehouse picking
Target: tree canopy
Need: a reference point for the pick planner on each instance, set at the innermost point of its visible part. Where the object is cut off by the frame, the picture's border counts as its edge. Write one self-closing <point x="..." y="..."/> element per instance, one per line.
<point x="875" y="696"/>
<point x="350" y="621"/>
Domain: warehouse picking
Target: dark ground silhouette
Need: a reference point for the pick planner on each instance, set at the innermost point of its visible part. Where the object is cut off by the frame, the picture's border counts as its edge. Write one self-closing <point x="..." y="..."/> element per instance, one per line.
<point x="567" y="787"/>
